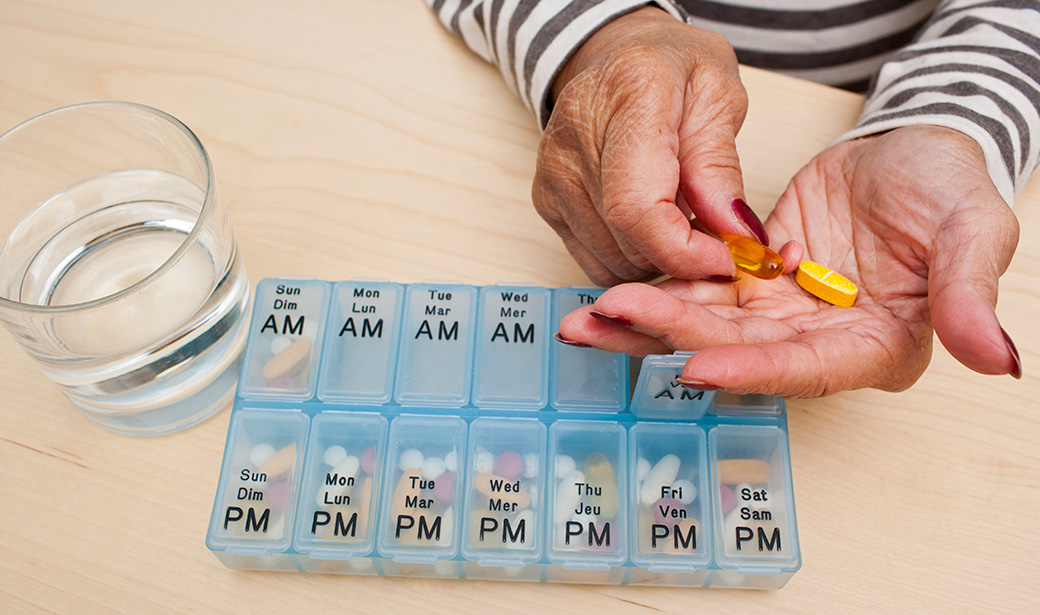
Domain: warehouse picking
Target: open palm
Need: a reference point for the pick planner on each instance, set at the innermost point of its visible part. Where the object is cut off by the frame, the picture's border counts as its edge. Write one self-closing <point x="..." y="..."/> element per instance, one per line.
<point x="910" y="216"/>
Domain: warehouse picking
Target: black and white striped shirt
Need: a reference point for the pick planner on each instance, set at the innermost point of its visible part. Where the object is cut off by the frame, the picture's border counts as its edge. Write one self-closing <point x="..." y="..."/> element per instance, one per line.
<point x="971" y="65"/>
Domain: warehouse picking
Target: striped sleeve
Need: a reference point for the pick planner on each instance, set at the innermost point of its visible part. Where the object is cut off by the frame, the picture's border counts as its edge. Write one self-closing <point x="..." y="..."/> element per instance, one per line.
<point x="974" y="67"/>
<point x="530" y="40"/>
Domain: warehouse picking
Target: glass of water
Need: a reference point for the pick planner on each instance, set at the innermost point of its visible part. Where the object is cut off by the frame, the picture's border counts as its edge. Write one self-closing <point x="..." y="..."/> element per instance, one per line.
<point x="119" y="274"/>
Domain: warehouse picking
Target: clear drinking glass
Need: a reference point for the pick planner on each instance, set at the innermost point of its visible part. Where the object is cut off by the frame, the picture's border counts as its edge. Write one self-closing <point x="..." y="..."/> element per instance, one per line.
<point x="119" y="274"/>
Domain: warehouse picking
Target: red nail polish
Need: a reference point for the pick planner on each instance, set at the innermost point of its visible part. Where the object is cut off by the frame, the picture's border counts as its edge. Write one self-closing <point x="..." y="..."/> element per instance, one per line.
<point x="1016" y="370"/>
<point x="750" y="220"/>
<point x="697" y="384"/>
<point x="563" y="340"/>
<point x="617" y="321"/>
<point x="722" y="278"/>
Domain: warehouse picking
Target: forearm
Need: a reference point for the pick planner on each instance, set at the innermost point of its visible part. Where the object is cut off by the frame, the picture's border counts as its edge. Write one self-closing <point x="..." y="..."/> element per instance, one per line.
<point x="530" y="41"/>
<point x="975" y="68"/>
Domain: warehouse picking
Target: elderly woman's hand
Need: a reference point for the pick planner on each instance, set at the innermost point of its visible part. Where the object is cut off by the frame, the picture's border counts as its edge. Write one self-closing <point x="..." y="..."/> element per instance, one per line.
<point x="642" y="135"/>
<point x="910" y="216"/>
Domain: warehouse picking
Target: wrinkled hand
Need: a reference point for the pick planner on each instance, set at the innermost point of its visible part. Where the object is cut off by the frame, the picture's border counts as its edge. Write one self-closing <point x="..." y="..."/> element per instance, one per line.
<point x="641" y="135"/>
<point x="910" y="216"/>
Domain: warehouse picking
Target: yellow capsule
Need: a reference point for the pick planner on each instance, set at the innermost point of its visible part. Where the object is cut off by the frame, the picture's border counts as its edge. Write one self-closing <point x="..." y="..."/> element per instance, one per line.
<point x="826" y="284"/>
<point x="753" y="257"/>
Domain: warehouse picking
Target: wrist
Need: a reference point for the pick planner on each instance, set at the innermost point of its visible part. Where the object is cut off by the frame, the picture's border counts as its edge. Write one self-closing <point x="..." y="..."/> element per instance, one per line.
<point x="626" y="28"/>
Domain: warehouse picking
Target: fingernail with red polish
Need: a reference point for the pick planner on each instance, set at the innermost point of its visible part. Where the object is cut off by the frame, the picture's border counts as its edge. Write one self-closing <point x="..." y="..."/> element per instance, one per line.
<point x="750" y="220"/>
<point x="697" y="384"/>
<point x="1016" y="371"/>
<point x="617" y="321"/>
<point x="722" y="278"/>
<point x="563" y="340"/>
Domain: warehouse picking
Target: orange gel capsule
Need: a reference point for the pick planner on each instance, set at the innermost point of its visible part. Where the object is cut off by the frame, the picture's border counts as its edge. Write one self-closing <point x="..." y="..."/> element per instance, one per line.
<point x="753" y="257"/>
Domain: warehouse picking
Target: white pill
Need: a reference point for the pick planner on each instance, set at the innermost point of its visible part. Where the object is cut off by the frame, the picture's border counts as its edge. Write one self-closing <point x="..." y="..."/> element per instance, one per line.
<point x="410" y="459"/>
<point x="642" y="468"/>
<point x="530" y="465"/>
<point x="564" y="465"/>
<point x="280" y="343"/>
<point x="448" y="517"/>
<point x="687" y="491"/>
<point x="347" y="468"/>
<point x="526" y="515"/>
<point x="584" y="519"/>
<point x="484" y="462"/>
<point x="567" y="498"/>
<point x="361" y="563"/>
<point x="432" y="467"/>
<point x="445" y="567"/>
<point x="661" y="475"/>
<point x="451" y="461"/>
<point x="334" y="455"/>
<point x="260" y="453"/>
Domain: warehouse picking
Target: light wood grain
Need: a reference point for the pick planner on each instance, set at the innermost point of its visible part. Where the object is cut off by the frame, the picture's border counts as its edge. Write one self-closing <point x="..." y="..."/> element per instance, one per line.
<point x="357" y="138"/>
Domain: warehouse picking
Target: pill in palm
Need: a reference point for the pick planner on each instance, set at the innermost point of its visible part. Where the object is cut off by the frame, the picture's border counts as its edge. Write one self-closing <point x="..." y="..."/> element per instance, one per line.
<point x="754" y="258"/>
<point x="826" y="284"/>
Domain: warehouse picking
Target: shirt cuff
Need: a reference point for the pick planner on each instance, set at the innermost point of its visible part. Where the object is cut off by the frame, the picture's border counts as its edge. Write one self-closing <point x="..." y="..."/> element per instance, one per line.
<point x="547" y="65"/>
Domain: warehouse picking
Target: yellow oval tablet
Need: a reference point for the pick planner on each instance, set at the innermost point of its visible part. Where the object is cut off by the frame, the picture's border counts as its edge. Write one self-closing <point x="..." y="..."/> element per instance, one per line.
<point x="826" y="284"/>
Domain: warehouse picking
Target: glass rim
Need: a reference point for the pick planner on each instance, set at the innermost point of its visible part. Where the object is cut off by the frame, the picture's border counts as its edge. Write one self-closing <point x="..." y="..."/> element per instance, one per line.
<point x="205" y="211"/>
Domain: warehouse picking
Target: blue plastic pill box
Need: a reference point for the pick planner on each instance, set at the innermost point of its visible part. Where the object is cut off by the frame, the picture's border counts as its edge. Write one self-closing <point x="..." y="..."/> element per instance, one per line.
<point x="437" y="430"/>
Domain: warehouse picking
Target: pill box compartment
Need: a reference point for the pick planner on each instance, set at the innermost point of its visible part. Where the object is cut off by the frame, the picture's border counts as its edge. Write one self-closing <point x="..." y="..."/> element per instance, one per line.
<point x="252" y="515"/>
<point x="670" y="533"/>
<point x="360" y="345"/>
<point x="586" y="516"/>
<point x="511" y="369"/>
<point x="755" y="536"/>
<point x="434" y="361"/>
<point x="285" y="335"/>
<point x="584" y="379"/>
<point x="339" y="489"/>
<point x="424" y="476"/>
<point x="503" y="536"/>
<point x="328" y="471"/>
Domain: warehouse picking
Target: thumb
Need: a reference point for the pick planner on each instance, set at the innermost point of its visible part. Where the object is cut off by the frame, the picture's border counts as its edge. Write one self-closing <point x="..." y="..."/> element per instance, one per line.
<point x="967" y="258"/>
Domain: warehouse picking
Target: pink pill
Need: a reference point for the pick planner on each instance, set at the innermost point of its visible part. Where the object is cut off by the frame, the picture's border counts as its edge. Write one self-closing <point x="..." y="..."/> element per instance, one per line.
<point x="283" y="383"/>
<point x="727" y="499"/>
<point x="278" y="496"/>
<point x="368" y="461"/>
<point x="444" y="488"/>
<point x="509" y="465"/>
<point x="666" y="510"/>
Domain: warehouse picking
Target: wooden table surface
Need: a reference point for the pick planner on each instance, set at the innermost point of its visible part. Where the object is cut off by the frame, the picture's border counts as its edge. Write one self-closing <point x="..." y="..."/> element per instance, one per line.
<point x="357" y="138"/>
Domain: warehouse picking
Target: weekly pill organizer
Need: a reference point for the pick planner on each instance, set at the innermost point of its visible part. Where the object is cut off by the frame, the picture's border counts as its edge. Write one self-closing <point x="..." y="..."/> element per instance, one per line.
<point x="437" y="429"/>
